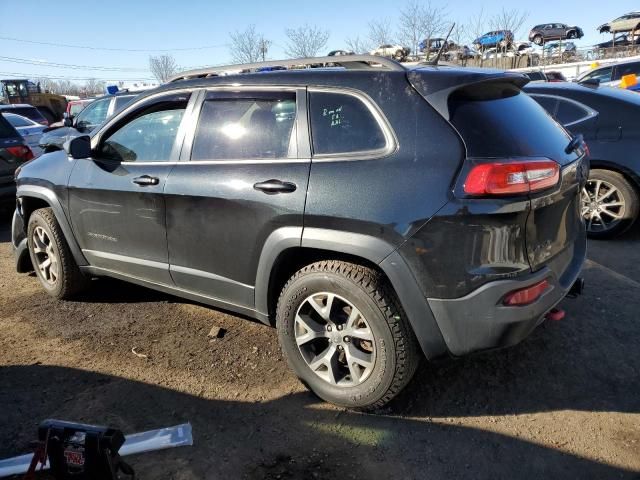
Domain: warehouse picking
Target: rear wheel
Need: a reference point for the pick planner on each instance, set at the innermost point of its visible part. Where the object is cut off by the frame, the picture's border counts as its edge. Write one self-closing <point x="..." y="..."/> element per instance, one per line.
<point x="51" y="258"/>
<point x="571" y="35"/>
<point x="537" y="39"/>
<point x="609" y="204"/>
<point x="345" y="335"/>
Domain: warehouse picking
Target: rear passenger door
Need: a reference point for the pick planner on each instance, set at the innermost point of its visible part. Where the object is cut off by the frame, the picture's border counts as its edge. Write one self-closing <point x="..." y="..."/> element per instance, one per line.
<point x="245" y="176"/>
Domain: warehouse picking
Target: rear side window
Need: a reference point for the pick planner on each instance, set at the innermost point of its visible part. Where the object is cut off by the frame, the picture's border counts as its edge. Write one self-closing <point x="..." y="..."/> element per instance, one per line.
<point x="18" y="121"/>
<point x="259" y="126"/>
<point x="343" y="124"/>
<point x="569" y="112"/>
<point x="631" y="68"/>
<point x="550" y="104"/>
<point x="29" y="112"/>
<point x="500" y="121"/>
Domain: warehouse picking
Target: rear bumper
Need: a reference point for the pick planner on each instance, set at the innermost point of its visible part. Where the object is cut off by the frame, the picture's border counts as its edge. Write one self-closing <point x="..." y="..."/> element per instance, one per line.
<point x="479" y="320"/>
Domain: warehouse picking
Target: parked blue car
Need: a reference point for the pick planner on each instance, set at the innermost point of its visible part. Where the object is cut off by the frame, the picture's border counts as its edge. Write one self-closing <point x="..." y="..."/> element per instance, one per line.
<point x="495" y="39"/>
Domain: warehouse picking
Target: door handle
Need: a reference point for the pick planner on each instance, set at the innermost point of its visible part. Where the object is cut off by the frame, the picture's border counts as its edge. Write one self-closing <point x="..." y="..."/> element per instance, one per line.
<point x="146" y="180"/>
<point x="275" y="186"/>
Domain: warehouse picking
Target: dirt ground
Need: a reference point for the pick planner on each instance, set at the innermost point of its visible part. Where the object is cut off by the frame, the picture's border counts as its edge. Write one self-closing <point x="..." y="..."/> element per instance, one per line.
<point x="563" y="404"/>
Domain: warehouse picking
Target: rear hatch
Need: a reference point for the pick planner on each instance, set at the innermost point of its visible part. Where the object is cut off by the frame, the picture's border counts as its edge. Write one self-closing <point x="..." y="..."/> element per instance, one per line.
<point x="500" y="124"/>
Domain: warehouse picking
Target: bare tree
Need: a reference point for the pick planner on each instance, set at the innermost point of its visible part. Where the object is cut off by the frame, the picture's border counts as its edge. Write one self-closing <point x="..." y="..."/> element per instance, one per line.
<point x="380" y="32"/>
<point x="477" y="26"/>
<point x="93" y="86"/>
<point x="420" y="21"/>
<point x="305" y="41"/>
<point x="358" y="45"/>
<point x="163" y="67"/>
<point x="248" y="46"/>
<point x="509" y="20"/>
<point x="47" y="85"/>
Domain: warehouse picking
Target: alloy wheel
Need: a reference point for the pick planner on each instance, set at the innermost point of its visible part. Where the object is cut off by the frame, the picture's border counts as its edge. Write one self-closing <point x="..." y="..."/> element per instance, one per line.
<point x="46" y="257"/>
<point x="603" y="205"/>
<point x="335" y="339"/>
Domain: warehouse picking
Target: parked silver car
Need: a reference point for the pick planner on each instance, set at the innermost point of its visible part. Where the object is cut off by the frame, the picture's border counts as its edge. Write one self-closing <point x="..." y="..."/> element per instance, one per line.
<point x="29" y="130"/>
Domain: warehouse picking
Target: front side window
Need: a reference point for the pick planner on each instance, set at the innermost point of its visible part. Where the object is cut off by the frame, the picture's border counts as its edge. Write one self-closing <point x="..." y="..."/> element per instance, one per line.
<point x="94" y="114"/>
<point x="342" y="123"/>
<point x="250" y="126"/>
<point x="148" y="134"/>
<point x="604" y="75"/>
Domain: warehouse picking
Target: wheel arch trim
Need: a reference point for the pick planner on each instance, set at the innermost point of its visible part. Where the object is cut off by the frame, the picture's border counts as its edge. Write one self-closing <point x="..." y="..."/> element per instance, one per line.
<point x="46" y="194"/>
<point x="372" y="249"/>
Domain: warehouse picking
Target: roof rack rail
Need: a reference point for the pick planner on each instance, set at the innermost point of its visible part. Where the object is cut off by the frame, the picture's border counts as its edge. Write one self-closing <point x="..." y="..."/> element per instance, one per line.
<point x="351" y="62"/>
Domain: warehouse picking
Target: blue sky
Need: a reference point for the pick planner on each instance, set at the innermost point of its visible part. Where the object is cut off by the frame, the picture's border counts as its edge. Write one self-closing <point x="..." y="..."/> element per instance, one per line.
<point x="170" y="24"/>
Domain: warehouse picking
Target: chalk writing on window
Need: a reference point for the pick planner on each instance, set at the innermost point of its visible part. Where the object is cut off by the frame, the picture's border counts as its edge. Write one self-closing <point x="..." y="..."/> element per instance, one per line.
<point x="335" y="115"/>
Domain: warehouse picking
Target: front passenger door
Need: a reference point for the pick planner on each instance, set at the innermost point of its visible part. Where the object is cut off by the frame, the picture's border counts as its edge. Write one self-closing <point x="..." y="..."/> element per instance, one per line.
<point x="116" y="198"/>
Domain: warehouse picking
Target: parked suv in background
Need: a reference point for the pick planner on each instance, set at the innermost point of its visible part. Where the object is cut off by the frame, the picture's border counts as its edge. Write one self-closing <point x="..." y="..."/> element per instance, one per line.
<point x="495" y="39"/>
<point x="307" y="199"/>
<point x="91" y="116"/>
<point x="626" y="23"/>
<point x="610" y="75"/>
<point x="541" y="34"/>
<point x="13" y="152"/>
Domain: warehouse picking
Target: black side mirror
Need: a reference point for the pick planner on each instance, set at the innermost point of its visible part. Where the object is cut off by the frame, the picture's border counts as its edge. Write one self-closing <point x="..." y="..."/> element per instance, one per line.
<point x="68" y="120"/>
<point x="78" y="147"/>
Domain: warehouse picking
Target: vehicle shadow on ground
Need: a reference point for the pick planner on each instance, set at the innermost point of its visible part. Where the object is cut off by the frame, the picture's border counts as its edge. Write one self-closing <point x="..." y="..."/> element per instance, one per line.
<point x="292" y="437"/>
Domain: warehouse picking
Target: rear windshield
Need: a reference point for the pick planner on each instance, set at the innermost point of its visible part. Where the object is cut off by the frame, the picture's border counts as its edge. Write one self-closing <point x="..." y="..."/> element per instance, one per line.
<point x="6" y="130"/>
<point x="499" y="120"/>
<point x="30" y="112"/>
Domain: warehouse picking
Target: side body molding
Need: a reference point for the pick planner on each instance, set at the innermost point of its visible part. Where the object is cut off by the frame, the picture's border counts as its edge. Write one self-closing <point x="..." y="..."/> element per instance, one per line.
<point x="50" y="197"/>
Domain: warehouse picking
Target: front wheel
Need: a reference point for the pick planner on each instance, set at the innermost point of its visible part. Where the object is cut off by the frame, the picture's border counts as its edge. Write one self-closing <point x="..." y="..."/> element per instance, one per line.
<point x="345" y="335"/>
<point x="609" y="204"/>
<point x="51" y="258"/>
<point x="537" y="40"/>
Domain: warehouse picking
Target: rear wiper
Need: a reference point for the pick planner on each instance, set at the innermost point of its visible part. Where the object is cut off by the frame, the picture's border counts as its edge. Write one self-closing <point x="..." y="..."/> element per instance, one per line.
<point x="575" y="143"/>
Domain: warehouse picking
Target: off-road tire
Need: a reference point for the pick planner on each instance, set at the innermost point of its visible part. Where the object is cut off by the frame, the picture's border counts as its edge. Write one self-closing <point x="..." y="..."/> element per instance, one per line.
<point x="630" y="196"/>
<point x="70" y="280"/>
<point x="397" y="350"/>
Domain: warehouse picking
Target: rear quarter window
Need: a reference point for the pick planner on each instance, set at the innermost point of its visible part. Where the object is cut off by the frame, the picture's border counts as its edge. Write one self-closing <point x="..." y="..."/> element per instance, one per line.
<point x="342" y="124"/>
<point x="500" y="121"/>
<point x="6" y="130"/>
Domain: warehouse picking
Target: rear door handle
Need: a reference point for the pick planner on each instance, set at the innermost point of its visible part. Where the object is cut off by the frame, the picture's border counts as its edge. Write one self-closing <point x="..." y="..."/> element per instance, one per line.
<point x="275" y="186"/>
<point x="146" y="180"/>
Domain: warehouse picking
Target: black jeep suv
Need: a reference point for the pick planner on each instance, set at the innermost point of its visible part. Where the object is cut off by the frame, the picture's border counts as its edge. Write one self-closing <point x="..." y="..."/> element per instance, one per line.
<point x="371" y="213"/>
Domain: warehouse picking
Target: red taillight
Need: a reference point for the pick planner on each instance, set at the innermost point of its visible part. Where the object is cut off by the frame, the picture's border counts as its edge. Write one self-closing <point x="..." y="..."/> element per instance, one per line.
<point x="525" y="296"/>
<point x="509" y="178"/>
<point x="21" y="151"/>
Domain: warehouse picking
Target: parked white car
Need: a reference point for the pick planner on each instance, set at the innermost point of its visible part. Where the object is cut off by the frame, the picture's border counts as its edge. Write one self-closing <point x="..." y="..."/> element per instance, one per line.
<point x="626" y="23"/>
<point x="394" y="51"/>
<point x="29" y="130"/>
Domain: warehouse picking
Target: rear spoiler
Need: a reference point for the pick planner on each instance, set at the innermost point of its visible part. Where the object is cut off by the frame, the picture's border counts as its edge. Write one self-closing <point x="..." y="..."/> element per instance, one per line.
<point x="437" y="83"/>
